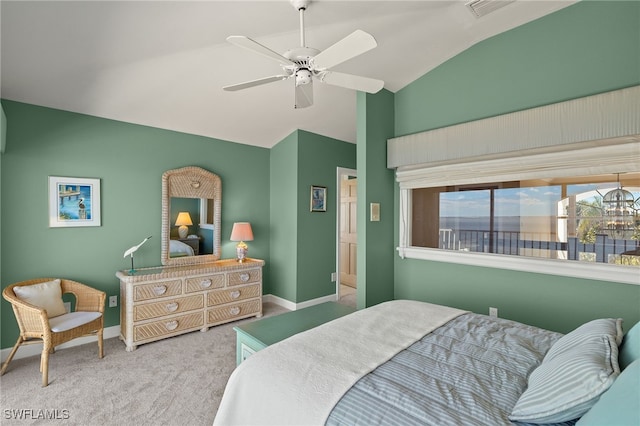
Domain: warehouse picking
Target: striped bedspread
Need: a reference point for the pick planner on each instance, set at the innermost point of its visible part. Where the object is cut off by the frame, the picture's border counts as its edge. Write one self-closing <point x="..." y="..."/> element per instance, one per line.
<point x="469" y="371"/>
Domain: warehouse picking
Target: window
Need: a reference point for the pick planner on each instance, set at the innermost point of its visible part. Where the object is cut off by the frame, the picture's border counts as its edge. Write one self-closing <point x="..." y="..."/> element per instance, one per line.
<point x="543" y="218"/>
<point x="523" y="190"/>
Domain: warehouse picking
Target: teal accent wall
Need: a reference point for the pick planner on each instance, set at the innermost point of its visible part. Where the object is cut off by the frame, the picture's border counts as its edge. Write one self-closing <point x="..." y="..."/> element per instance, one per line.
<point x="376" y="246"/>
<point x="3" y="130"/>
<point x="3" y="141"/>
<point x="284" y="218"/>
<point x="318" y="159"/>
<point x="584" y="49"/>
<point x="581" y="50"/>
<point x="303" y="243"/>
<point x="129" y="160"/>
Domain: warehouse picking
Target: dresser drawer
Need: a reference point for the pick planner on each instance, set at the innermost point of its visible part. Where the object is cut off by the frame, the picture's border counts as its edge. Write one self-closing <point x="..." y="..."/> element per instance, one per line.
<point x="229" y="295"/>
<point x="174" y="306"/>
<point x="245" y="277"/>
<point x="207" y="282"/>
<point x="167" y="327"/>
<point x="158" y="289"/>
<point x="236" y="310"/>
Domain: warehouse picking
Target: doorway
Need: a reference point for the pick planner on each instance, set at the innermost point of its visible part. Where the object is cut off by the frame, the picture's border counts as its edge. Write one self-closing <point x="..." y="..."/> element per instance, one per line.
<point x="346" y="237"/>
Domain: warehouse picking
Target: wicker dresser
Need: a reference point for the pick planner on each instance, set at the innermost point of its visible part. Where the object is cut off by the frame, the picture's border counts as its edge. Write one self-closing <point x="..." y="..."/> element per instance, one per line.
<point x="162" y="302"/>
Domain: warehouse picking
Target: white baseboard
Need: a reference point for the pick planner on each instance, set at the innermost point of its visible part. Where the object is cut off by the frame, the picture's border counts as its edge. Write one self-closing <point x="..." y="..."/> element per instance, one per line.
<point x="292" y="306"/>
<point x="36" y="349"/>
<point x="114" y="331"/>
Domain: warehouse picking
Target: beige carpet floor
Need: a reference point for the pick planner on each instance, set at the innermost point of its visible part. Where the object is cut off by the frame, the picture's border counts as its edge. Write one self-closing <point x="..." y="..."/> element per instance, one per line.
<point x="176" y="381"/>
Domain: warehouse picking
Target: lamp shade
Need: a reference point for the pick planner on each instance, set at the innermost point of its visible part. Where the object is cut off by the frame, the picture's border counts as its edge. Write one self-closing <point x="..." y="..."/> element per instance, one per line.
<point x="184" y="219"/>
<point x="241" y="232"/>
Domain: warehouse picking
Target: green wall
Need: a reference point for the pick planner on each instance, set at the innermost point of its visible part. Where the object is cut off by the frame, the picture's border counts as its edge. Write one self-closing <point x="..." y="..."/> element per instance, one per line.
<point x="375" y="185"/>
<point x="587" y="48"/>
<point x="284" y="217"/>
<point x="129" y="160"/>
<point x="318" y="158"/>
<point x="303" y="243"/>
<point x="3" y="140"/>
<point x="584" y="49"/>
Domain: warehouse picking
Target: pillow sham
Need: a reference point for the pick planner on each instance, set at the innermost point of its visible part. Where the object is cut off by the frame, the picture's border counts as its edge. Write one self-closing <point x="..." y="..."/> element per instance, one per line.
<point x="46" y="295"/>
<point x="577" y="369"/>
<point x="630" y="347"/>
<point x="619" y="405"/>
<point x="604" y="326"/>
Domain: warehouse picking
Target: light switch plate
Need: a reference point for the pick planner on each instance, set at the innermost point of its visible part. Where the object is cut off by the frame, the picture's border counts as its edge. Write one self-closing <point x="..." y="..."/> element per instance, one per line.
<point x="375" y="212"/>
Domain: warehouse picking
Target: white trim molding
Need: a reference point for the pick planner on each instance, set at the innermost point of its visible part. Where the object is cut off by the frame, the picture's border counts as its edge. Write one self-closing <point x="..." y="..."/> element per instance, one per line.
<point x="596" y="135"/>
<point x="585" y="270"/>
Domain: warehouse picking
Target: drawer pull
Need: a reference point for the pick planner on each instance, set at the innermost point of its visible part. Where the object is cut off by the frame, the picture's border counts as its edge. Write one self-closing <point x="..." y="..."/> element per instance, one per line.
<point x="234" y="311"/>
<point x="235" y="294"/>
<point x="160" y="290"/>
<point x="244" y="277"/>
<point x="171" y="325"/>
<point x="172" y="307"/>
<point x="205" y="283"/>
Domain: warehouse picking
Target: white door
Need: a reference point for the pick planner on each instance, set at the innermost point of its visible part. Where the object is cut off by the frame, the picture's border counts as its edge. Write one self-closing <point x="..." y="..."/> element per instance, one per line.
<point x="347" y="232"/>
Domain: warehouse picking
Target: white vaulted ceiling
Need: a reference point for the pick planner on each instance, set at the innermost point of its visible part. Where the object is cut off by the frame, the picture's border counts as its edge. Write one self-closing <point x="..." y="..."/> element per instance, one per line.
<point x="164" y="63"/>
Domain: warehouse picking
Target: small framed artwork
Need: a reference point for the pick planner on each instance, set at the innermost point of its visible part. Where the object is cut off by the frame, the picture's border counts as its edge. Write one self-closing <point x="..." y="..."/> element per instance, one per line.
<point x="318" y="198"/>
<point x="74" y="202"/>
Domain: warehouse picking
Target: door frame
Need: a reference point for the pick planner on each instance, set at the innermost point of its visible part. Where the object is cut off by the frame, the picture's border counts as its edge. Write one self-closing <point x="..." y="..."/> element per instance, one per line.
<point x="340" y="172"/>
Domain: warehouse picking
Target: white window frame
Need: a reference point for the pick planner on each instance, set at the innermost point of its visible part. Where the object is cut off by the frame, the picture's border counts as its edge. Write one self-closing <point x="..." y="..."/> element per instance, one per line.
<point x="616" y="149"/>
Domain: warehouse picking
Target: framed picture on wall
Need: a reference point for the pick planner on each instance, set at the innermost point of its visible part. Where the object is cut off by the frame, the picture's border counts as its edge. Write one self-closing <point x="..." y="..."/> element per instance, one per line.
<point x="318" y="198"/>
<point x="74" y="202"/>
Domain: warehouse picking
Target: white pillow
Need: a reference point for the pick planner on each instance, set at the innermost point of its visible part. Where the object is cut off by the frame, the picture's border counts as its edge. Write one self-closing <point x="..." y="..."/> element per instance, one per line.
<point x="47" y="295"/>
<point x="578" y="368"/>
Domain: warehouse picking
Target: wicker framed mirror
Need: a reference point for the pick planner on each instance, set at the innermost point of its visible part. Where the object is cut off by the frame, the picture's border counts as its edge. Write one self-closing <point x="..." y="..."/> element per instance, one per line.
<point x="191" y="200"/>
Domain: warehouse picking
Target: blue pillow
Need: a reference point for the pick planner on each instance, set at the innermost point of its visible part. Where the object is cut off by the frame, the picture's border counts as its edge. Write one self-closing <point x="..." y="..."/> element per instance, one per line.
<point x="618" y="405"/>
<point x="630" y="347"/>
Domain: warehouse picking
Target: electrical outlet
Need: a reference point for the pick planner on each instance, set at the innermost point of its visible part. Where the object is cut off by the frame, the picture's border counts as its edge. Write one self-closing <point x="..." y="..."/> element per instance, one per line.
<point x="334" y="277"/>
<point x="67" y="306"/>
<point x="493" y="312"/>
<point x="113" y="301"/>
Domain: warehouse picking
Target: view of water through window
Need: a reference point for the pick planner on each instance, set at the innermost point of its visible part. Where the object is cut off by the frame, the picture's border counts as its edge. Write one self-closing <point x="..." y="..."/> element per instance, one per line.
<point x="572" y="221"/>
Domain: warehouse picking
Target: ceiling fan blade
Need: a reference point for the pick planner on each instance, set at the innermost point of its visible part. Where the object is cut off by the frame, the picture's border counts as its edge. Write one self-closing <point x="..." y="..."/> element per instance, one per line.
<point x="304" y="95"/>
<point x="349" y="47"/>
<point x="254" y="46"/>
<point x="252" y="83"/>
<point x="355" y="82"/>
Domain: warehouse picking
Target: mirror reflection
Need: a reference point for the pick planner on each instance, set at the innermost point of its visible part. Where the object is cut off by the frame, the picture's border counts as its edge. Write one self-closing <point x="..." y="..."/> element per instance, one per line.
<point x="191" y="205"/>
<point x="191" y="216"/>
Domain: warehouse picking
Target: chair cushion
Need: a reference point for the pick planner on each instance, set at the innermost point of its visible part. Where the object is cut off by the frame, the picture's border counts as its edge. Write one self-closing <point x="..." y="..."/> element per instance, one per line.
<point x="46" y="295"/>
<point x="72" y="320"/>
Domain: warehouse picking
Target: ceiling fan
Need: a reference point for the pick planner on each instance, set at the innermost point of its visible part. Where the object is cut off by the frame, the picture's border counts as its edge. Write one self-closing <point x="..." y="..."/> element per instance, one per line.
<point x="305" y="64"/>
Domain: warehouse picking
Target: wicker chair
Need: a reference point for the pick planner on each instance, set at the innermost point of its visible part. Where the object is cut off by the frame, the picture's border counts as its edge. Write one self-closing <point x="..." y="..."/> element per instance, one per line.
<point x="34" y="323"/>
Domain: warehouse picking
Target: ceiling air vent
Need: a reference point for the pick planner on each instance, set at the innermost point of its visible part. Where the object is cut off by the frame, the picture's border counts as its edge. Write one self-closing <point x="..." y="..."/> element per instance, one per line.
<point x="483" y="7"/>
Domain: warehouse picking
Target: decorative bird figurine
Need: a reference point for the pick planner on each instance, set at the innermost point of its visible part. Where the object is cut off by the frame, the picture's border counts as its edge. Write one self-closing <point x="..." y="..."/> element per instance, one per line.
<point x="133" y="250"/>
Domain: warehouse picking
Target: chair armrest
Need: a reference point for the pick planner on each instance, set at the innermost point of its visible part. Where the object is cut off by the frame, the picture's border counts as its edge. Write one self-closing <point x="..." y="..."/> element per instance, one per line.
<point x="88" y="298"/>
<point x="30" y="318"/>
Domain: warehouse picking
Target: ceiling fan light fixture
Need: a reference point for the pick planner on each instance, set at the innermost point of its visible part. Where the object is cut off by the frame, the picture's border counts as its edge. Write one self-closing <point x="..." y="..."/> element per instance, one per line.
<point x="303" y="76"/>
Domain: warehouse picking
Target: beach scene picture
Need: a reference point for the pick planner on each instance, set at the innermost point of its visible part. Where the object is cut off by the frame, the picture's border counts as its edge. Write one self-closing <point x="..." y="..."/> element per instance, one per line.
<point x="74" y="201"/>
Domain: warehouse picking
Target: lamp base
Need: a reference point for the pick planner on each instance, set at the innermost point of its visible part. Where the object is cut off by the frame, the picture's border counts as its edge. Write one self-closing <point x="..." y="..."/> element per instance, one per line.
<point x="241" y="252"/>
<point x="183" y="230"/>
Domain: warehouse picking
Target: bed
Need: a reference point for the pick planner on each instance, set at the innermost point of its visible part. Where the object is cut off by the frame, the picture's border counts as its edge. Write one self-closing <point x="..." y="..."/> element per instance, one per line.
<point x="179" y="249"/>
<point x="414" y="363"/>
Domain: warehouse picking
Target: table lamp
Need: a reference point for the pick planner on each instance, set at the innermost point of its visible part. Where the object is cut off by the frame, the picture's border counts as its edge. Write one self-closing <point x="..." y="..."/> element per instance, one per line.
<point x="241" y="232"/>
<point x="183" y="222"/>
